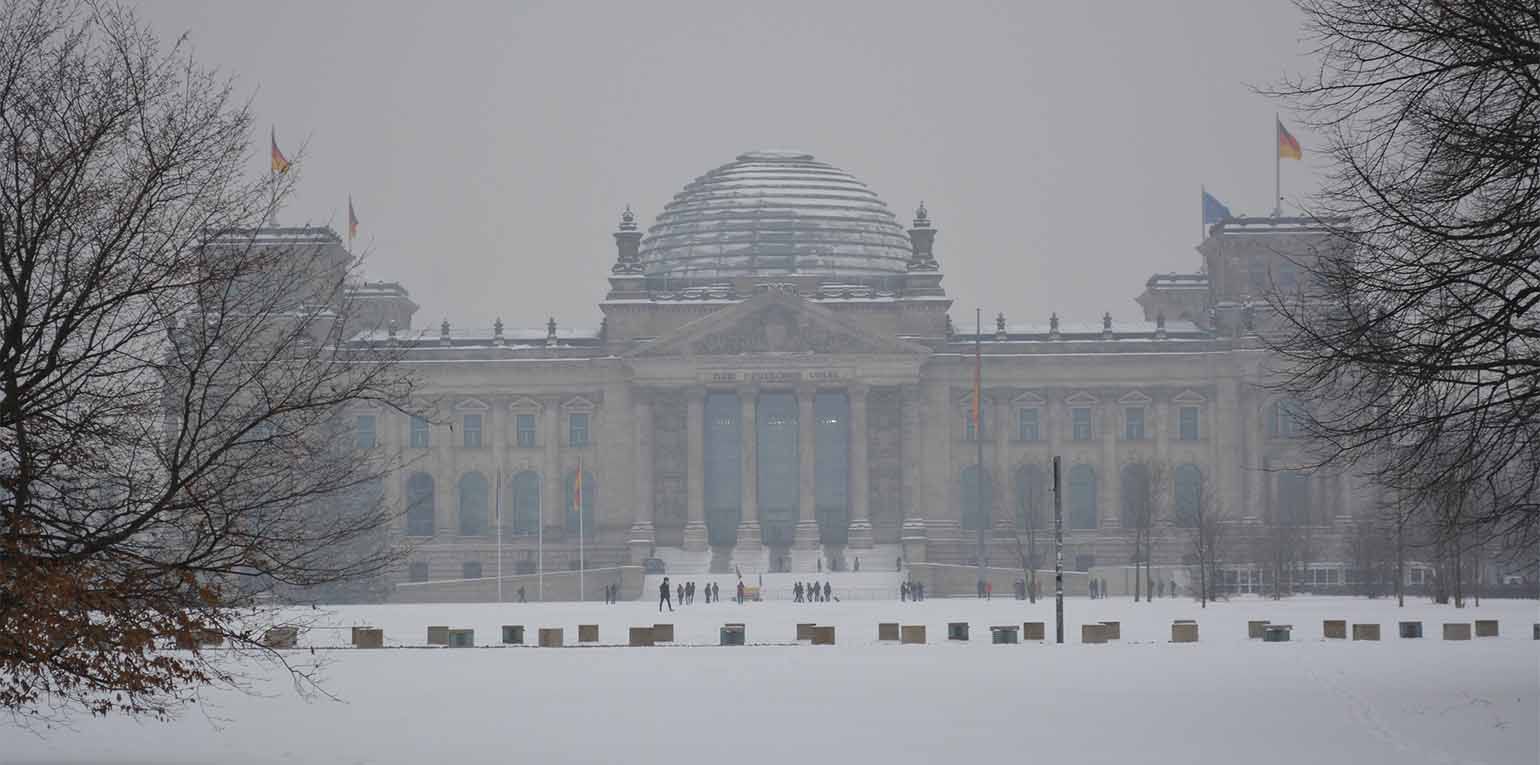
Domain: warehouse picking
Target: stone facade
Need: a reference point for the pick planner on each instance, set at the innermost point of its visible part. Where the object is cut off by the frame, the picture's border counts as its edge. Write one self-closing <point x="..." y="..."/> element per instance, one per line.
<point x="757" y="422"/>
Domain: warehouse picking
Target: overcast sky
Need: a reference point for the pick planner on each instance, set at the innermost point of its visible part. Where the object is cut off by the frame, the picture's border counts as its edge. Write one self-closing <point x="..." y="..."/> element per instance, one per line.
<point x="490" y="146"/>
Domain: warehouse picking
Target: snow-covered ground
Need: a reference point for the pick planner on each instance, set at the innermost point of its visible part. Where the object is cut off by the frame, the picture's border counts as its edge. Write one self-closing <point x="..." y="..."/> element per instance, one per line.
<point x="1142" y="699"/>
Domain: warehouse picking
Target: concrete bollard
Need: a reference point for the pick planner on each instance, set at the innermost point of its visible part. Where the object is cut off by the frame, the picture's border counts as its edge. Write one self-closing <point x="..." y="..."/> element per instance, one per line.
<point x="1093" y="633"/>
<point x="1254" y="629"/>
<point x="1184" y="631"/>
<point x="281" y="637"/>
<point x="913" y="634"/>
<point x="733" y="634"/>
<point x="1410" y="629"/>
<point x="1033" y="631"/>
<point x="1004" y="635"/>
<point x="663" y="633"/>
<point x="551" y="637"/>
<point x="1366" y="632"/>
<point x="368" y="637"/>
<point x="462" y="638"/>
<point x="588" y="633"/>
<point x="823" y="636"/>
<point x="1457" y="630"/>
<point x="438" y="635"/>
<point x="513" y="634"/>
<point x="641" y="637"/>
<point x="1114" y="630"/>
<point x="1486" y="628"/>
<point x="805" y="631"/>
<point x="957" y="631"/>
<point x="1334" y="629"/>
<point x="887" y="631"/>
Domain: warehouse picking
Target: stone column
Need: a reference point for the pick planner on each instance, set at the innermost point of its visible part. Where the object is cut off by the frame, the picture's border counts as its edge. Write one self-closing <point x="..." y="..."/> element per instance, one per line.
<point x="748" y="528"/>
<point x="860" y="491"/>
<point x="445" y="478"/>
<point x="912" y="532"/>
<point x="1255" y="479"/>
<point x="1002" y="508"/>
<point x="643" y="532"/>
<point x="694" y="471"/>
<point x="552" y="497"/>
<point x="806" y="537"/>
<point x="1110" y="497"/>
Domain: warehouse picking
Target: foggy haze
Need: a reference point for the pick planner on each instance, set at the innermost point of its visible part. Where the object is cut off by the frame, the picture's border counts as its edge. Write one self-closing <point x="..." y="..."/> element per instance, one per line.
<point x="489" y="147"/>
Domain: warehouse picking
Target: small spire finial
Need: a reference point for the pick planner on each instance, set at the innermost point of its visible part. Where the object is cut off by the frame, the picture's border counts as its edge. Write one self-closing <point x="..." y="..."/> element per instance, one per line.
<point x="550" y="331"/>
<point x="1000" y="326"/>
<point x="921" y="216"/>
<point x="497" y="327"/>
<point x="1107" y="320"/>
<point x="627" y="219"/>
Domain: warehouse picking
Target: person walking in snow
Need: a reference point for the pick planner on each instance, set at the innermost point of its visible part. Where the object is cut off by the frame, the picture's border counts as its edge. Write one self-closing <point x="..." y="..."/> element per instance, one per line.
<point x="679" y="591"/>
<point x="663" y="593"/>
<point x="796" y="593"/>
<point x="828" y="592"/>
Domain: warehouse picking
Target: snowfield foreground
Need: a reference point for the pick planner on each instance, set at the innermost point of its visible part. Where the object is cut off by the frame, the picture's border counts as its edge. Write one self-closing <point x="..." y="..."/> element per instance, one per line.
<point x="1141" y="699"/>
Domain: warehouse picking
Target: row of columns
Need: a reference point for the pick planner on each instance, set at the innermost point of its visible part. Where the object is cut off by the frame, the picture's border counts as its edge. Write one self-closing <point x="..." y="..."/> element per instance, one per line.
<point x="748" y="533"/>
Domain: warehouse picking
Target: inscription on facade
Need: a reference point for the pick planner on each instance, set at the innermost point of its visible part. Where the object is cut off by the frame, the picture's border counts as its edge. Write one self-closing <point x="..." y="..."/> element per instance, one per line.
<point x="776" y="375"/>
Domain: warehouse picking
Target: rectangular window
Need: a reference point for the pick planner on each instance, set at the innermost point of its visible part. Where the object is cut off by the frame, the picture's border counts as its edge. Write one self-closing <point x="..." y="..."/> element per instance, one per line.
<point x="1027" y="425"/>
<point x="472" y="431"/>
<point x="1133" y="423"/>
<point x="524" y="426"/>
<point x="470" y="569"/>
<point x="1080" y="423"/>
<point x="1187" y="423"/>
<point x="363" y="432"/>
<point x="417" y="572"/>
<point x="419" y="436"/>
<point x="577" y="430"/>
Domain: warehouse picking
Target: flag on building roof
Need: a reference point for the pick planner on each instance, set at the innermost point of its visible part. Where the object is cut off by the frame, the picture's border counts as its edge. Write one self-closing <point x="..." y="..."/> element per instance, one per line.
<point x="1214" y="211"/>
<point x="352" y="220"/>
<point x="280" y="162"/>
<point x="1288" y="147"/>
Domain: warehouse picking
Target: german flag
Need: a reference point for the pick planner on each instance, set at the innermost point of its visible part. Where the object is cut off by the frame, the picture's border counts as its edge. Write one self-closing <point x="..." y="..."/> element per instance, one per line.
<point x="1288" y="148"/>
<point x="352" y="220"/>
<point x="280" y="162"/>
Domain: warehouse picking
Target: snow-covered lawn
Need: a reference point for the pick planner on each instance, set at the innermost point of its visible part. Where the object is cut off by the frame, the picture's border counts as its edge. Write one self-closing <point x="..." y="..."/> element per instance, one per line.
<point x="1142" y="699"/>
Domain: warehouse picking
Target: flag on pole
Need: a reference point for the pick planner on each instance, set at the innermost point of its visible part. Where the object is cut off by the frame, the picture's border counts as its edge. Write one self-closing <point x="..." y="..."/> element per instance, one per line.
<point x="978" y="386"/>
<point x="352" y="220"/>
<point x="1288" y="147"/>
<point x="1214" y="211"/>
<point x="280" y="162"/>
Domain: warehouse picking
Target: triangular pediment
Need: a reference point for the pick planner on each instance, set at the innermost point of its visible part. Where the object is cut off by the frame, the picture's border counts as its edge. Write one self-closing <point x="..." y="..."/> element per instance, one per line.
<point x="774" y="323"/>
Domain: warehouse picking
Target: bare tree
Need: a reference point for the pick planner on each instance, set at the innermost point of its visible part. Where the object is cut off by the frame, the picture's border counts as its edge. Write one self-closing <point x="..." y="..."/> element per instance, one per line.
<point x="175" y="435"/>
<point x="1207" y="522"/>
<point x="1417" y="339"/>
<point x="1143" y="486"/>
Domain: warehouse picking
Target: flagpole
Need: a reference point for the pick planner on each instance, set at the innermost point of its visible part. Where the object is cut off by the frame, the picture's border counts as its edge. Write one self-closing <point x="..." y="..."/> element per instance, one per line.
<point x="978" y="430"/>
<point x="1202" y="212"/>
<point x="578" y="497"/>
<point x="498" y="504"/>
<point x="1277" y="168"/>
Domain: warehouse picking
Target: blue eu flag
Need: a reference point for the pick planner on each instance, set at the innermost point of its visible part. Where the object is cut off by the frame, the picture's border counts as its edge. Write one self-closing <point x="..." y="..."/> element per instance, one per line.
<point x="1214" y="211"/>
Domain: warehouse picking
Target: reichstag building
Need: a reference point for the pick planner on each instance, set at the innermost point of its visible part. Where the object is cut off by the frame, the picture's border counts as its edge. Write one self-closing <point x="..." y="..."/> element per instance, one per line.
<point x="774" y="382"/>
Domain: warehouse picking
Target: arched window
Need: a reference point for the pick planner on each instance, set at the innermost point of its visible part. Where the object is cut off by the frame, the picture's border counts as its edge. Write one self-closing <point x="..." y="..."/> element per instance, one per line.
<point x="1138" y="505"/>
<point x="1293" y="498"/>
<point x="1031" y="499"/>
<point x="1189" y="495"/>
<point x="473" y="505"/>
<point x="1082" y="497"/>
<point x="1286" y="419"/>
<point x="526" y="503"/>
<point x="419" y="505"/>
<point x="590" y="491"/>
<point x="975" y="512"/>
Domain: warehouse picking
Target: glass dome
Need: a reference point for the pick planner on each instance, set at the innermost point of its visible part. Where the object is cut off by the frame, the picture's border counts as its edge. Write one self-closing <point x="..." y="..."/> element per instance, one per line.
<point x="770" y="213"/>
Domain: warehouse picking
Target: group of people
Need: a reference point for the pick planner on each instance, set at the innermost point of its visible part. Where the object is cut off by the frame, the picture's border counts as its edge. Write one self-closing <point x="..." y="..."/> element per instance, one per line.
<point x="685" y="593"/>
<point x="812" y="593"/>
<point x="911" y="591"/>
